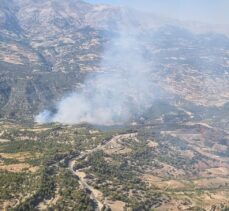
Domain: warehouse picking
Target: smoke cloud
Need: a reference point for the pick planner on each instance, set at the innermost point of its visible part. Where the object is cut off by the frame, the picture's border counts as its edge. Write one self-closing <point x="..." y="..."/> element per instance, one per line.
<point x="123" y="91"/>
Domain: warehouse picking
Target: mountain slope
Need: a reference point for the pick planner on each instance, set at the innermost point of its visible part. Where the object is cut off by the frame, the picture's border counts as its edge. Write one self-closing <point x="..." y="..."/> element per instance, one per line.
<point x="48" y="47"/>
<point x="40" y="40"/>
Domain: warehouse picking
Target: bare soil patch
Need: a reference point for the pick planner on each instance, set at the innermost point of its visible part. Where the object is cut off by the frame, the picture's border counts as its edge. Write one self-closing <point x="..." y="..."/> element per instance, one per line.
<point x="116" y="205"/>
<point x="19" y="167"/>
<point x="21" y="156"/>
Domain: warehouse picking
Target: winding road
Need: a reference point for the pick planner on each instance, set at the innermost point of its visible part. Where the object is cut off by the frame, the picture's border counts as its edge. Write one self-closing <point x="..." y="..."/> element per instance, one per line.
<point x="82" y="181"/>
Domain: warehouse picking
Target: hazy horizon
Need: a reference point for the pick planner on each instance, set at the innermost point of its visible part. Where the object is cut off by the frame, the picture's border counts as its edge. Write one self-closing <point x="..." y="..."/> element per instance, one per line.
<point x="208" y="11"/>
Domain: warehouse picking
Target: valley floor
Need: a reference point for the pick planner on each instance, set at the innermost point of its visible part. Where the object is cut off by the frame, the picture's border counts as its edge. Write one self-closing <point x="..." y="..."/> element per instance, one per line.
<point x="56" y="167"/>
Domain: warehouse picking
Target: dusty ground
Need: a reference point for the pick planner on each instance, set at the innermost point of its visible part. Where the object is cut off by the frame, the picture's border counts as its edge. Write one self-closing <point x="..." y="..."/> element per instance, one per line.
<point x="4" y="140"/>
<point x="117" y="144"/>
<point x="220" y="171"/>
<point x="116" y="205"/>
<point x="185" y="201"/>
<point x="19" y="167"/>
<point x="22" y="156"/>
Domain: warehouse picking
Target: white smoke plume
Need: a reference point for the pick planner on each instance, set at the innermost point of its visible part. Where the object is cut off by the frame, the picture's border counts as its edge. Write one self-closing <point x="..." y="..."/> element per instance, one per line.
<point x="124" y="90"/>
